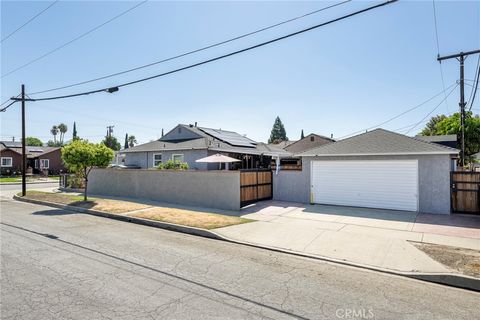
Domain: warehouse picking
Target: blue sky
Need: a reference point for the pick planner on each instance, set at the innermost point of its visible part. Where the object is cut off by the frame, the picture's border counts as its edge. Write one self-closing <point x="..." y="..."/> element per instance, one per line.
<point x="339" y="79"/>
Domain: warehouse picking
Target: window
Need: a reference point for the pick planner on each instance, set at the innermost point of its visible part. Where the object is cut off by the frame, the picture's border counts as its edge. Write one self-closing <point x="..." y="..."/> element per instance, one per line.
<point x="157" y="159"/>
<point x="36" y="163"/>
<point x="7" y="161"/>
<point x="312" y="138"/>
<point x="177" y="157"/>
<point x="44" y="164"/>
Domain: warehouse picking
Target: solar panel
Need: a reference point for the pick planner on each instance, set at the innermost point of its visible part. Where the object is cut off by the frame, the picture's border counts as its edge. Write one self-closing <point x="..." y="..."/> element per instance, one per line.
<point x="231" y="138"/>
<point x="12" y="144"/>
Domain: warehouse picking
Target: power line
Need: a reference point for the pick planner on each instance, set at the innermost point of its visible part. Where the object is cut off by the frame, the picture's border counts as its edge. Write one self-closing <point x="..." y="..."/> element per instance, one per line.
<point x="30" y="20"/>
<point x="398" y="115"/>
<point x="428" y="114"/>
<point x="115" y="88"/>
<point x="474" y="89"/>
<point x="9" y="105"/>
<point x="423" y="122"/>
<point x="438" y="52"/>
<point x="74" y="39"/>
<point x="194" y="51"/>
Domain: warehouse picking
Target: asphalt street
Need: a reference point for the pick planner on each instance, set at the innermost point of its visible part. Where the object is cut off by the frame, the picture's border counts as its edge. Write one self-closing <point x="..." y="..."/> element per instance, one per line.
<point x="57" y="264"/>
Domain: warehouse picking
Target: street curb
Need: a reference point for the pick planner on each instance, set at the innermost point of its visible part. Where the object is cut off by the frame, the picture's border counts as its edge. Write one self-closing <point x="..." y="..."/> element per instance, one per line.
<point x="19" y="183"/>
<point x="450" y="279"/>
<point x="72" y="190"/>
<point x="150" y="223"/>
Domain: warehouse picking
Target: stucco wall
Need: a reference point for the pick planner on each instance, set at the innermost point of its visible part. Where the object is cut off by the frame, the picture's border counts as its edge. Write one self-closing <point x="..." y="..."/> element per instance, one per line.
<point x="145" y="159"/>
<point x="292" y="186"/>
<point x="433" y="175"/>
<point x="211" y="189"/>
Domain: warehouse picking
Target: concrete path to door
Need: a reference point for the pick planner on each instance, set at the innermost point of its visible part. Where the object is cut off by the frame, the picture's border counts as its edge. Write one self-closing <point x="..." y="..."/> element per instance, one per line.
<point x="371" y="237"/>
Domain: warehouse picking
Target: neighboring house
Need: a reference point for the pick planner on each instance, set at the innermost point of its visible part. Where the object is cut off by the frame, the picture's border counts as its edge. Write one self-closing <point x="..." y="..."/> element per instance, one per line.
<point x="476" y="163"/>
<point x="283" y="144"/>
<point x="309" y="142"/>
<point x="189" y="143"/>
<point x="39" y="159"/>
<point x="377" y="169"/>
<point x="449" y="140"/>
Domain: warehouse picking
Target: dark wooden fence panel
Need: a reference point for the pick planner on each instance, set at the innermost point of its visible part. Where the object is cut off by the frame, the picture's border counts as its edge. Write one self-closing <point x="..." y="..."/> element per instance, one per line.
<point x="255" y="185"/>
<point x="465" y="192"/>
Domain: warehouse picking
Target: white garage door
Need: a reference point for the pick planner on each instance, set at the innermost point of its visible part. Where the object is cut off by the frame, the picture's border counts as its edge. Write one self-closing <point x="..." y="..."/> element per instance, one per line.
<point x="389" y="184"/>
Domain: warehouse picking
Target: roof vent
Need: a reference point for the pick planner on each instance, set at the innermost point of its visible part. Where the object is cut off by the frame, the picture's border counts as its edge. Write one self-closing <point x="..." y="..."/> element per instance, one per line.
<point x="190" y="125"/>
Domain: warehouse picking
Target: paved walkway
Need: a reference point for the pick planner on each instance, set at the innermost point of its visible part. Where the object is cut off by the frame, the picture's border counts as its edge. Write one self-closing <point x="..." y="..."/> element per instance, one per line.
<point x="373" y="237"/>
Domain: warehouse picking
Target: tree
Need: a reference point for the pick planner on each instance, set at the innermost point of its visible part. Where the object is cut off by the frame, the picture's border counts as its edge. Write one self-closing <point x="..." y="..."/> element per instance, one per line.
<point x="173" y="165"/>
<point x="33" y="142"/>
<point x="278" y="133"/>
<point x="51" y="143"/>
<point x="81" y="157"/>
<point x="451" y="125"/>
<point x="125" y="146"/>
<point x="54" y="131"/>
<point x="112" y="142"/>
<point x="302" y="135"/>
<point x="132" y="141"/>
<point x="74" y="135"/>
<point x="431" y="126"/>
<point x="63" y="129"/>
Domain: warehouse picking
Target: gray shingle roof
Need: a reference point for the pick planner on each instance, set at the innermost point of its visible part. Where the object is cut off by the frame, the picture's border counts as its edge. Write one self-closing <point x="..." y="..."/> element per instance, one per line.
<point x="379" y="142"/>
<point x="207" y="142"/>
<point x="447" y="137"/>
<point x="11" y="144"/>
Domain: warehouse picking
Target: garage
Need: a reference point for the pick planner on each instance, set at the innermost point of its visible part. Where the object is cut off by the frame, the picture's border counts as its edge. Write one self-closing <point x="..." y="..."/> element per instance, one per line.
<point x="375" y="169"/>
<point x="387" y="184"/>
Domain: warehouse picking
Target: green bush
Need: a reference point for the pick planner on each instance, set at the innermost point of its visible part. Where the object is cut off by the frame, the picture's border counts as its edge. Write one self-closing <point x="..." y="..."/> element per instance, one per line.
<point x="173" y="165"/>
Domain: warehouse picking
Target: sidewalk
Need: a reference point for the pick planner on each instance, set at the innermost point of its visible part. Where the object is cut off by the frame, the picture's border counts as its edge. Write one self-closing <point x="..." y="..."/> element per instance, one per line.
<point x="371" y="237"/>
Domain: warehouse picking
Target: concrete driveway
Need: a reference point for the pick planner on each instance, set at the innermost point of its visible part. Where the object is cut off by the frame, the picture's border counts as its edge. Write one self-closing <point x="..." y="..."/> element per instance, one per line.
<point x="380" y="238"/>
<point x="456" y="225"/>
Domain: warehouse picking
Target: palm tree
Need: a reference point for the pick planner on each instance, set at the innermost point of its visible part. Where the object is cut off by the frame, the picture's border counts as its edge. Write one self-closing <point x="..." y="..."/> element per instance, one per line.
<point x="63" y="129"/>
<point x="54" y="131"/>
<point x="131" y="141"/>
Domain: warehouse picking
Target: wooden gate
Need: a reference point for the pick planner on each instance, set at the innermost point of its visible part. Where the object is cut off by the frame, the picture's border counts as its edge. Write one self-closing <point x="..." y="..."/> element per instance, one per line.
<point x="465" y="192"/>
<point x="255" y="185"/>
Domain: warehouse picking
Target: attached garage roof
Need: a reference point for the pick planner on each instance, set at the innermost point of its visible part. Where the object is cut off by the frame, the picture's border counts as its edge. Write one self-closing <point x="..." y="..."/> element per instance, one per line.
<point x="379" y="142"/>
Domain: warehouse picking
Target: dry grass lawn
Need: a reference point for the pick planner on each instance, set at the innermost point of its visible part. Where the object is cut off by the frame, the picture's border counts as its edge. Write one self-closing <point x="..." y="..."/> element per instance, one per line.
<point x="189" y="218"/>
<point x="466" y="261"/>
<point x="107" y="205"/>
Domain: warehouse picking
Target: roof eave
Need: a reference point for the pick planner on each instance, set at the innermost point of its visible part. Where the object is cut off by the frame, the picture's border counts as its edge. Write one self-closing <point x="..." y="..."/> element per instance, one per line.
<point x="378" y="154"/>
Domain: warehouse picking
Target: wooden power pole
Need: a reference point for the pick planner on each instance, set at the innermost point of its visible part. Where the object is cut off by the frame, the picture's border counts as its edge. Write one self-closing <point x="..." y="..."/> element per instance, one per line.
<point x="461" y="58"/>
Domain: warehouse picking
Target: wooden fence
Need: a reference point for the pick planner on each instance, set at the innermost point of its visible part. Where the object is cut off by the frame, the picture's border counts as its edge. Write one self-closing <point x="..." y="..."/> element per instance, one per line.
<point x="465" y="192"/>
<point x="255" y="185"/>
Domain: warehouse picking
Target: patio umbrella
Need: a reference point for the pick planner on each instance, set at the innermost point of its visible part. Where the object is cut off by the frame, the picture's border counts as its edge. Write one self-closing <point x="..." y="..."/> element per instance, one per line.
<point x="218" y="158"/>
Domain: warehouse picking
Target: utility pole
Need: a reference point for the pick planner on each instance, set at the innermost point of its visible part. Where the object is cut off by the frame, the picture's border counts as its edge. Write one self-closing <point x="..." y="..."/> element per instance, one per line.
<point x="24" y="153"/>
<point x="461" y="58"/>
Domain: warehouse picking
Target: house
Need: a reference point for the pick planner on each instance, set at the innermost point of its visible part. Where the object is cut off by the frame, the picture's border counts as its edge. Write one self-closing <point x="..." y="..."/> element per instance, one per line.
<point x="39" y="159"/>
<point x="188" y="143"/>
<point x="309" y="142"/>
<point x="448" y="140"/>
<point x="377" y="169"/>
